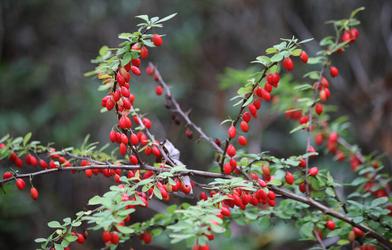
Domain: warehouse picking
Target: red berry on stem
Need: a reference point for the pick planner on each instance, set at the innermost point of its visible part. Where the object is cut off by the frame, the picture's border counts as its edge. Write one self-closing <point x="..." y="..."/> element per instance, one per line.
<point x="288" y="64"/>
<point x="304" y="57"/>
<point x="244" y="126"/>
<point x="159" y="90"/>
<point x="313" y="171"/>
<point x="318" y="108"/>
<point x="231" y="132"/>
<point x="231" y="150"/>
<point x="144" y="52"/>
<point x="7" y="175"/>
<point x="330" y="225"/>
<point x="136" y="71"/>
<point x="334" y="71"/>
<point x="115" y="239"/>
<point x="289" y="178"/>
<point x="242" y="140"/>
<point x="20" y="184"/>
<point x="156" y="40"/>
<point x="34" y="193"/>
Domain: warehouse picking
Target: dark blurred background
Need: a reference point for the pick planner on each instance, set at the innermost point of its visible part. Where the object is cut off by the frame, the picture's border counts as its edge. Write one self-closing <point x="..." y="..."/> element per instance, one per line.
<point x="46" y="46"/>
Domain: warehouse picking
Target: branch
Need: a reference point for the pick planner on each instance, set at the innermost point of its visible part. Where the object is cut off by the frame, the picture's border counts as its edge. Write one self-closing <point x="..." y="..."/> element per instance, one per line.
<point x="326" y="210"/>
<point x="177" y="109"/>
<point x="112" y="166"/>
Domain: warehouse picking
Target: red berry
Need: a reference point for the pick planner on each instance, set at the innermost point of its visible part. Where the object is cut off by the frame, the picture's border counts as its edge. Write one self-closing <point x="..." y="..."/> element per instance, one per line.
<point x="133" y="159"/>
<point x="106" y="236"/>
<point x="80" y="238"/>
<point x="330" y="225"/>
<point x="231" y="150"/>
<point x="203" y="196"/>
<point x="313" y="171"/>
<point x="346" y="37"/>
<point x="134" y="139"/>
<point x="146" y="122"/>
<point x="358" y="232"/>
<point x="123" y="149"/>
<point x="125" y="122"/>
<point x="289" y="178"/>
<point x="225" y="211"/>
<point x="136" y="62"/>
<point x="88" y="172"/>
<point x="334" y="71"/>
<point x="244" y="126"/>
<point x="33" y="192"/>
<point x="354" y="34"/>
<point x="304" y="57"/>
<point x="288" y="64"/>
<point x="273" y="79"/>
<point x="242" y="140"/>
<point x="136" y="71"/>
<point x="158" y="90"/>
<point x="115" y="239"/>
<point x="271" y="195"/>
<point x="227" y="168"/>
<point x="144" y="52"/>
<point x="147" y="237"/>
<point x="156" y="40"/>
<point x="318" y="108"/>
<point x="231" y="132"/>
<point x="125" y="91"/>
<point x="149" y="70"/>
<point x="304" y="119"/>
<point x="246" y="116"/>
<point x="20" y="184"/>
<point x="43" y="164"/>
<point x="7" y="175"/>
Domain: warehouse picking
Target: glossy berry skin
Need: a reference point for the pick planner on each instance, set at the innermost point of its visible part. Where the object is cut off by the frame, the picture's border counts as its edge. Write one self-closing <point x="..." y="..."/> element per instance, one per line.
<point x="231" y="132"/>
<point x="231" y="150"/>
<point x="158" y="90"/>
<point x="20" y="184"/>
<point x="330" y="225"/>
<point x="34" y="193"/>
<point x="289" y="178"/>
<point x="304" y="57"/>
<point x="244" y="126"/>
<point x="334" y="72"/>
<point x="146" y="237"/>
<point x="7" y="175"/>
<point x="156" y="40"/>
<point x="115" y="239"/>
<point x="242" y="140"/>
<point x="273" y="79"/>
<point x="313" y="171"/>
<point x="106" y="236"/>
<point x="318" y="108"/>
<point x="288" y="64"/>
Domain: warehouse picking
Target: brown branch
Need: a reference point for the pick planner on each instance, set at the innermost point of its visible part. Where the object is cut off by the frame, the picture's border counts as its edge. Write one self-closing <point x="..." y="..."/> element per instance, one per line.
<point x="326" y="210"/>
<point x="112" y="166"/>
<point x="242" y="110"/>
<point x="177" y="109"/>
<point x="284" y="193"/>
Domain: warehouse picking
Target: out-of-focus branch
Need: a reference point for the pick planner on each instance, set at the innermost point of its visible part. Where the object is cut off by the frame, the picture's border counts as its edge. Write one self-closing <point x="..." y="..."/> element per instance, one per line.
<point x="177" y="109"/>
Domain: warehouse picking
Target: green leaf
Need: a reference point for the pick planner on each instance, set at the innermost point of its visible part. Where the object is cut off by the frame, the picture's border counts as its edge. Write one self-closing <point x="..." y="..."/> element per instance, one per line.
<point x="40" y="240"/>
<point x="379" y="201"/>
<point x="96" y="200"/>
<point x="271" y="50"/>
<point x="26" y="138"/>
<point x="157" y="193"/>
<point x="296" y="52"/>
<point x="167" y="18"/>
<point x="125" y="230"/>
<point x="277" y="58"/>
<point x="143" y="17"/>
<point x="54" y="224"/>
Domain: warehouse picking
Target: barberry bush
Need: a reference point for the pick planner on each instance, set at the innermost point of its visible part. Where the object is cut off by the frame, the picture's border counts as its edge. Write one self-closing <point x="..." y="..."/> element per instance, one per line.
<point x="241" y="187"/>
